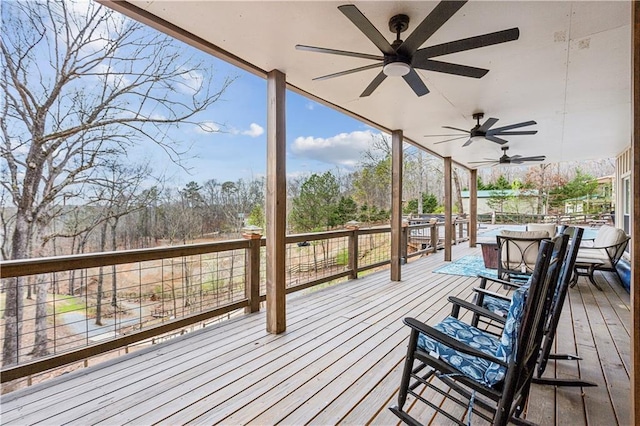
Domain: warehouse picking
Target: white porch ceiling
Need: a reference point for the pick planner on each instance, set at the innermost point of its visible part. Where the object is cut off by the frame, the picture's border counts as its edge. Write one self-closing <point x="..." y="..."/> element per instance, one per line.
<point x="570" y="70"/>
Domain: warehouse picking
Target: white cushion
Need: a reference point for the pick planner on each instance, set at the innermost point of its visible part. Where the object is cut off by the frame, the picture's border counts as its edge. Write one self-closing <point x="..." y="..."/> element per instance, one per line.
<point x="593" y="255"/>
<point x="550" y="228"/>
<point x="609" y="236"/>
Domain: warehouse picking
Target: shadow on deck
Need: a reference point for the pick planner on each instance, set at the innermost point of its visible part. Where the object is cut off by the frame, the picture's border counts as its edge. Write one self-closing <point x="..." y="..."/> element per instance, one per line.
<point x="339" y="361"/>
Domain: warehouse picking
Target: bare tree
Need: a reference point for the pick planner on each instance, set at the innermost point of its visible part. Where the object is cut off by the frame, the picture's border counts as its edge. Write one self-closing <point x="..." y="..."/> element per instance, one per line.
<point x="119" y="192"/>
<point x="81" y="84"/>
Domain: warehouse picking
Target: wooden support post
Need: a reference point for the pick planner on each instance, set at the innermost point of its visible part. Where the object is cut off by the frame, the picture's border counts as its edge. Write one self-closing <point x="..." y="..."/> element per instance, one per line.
<point x="353" y="252"/>
<point x="448" y="228"/>
<point x="635" y="211"/>
<point x="252" y="272"/>
<point x="473" y="208"/>
<point x="396" y="203"/>
<point x="276" y="202"/>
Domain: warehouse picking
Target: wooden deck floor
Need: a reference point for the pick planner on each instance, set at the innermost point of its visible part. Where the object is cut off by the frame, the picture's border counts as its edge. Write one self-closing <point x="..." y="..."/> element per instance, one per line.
<point x="338" y="362"/>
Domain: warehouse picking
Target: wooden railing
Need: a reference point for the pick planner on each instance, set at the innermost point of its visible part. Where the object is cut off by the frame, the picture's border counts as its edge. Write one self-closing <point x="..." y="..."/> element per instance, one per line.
<point x="166" y="290"/>
<point x="560" y="219"/>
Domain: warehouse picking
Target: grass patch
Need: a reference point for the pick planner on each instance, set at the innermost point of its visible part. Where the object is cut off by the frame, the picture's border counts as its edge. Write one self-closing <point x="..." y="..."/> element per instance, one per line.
<point x="65" y="304"/>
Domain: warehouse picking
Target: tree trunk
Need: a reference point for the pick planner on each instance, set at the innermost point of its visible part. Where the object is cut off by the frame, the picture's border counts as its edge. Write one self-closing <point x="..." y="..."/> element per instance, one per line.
<point x="41" y="286"/>
<point x="114" y="282"/>
<point x="41" y="338"/>
<point x="173" y="291"/>
<point x="231" y="279"/>
<point x="456" y="181"/>
<point x="103" y="238"/>
<point x="14" y="297"/>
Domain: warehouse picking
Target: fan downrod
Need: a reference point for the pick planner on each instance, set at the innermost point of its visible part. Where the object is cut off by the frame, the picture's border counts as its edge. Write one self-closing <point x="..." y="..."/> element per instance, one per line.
<point x="478" y="116"/>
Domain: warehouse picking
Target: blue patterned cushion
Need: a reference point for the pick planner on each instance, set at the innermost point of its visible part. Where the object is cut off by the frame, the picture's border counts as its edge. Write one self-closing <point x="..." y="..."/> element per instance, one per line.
<point x="507" y="348"/>
<point x="495" y="305"/>
<point x="481" y="370"/>
<point x="469" y="365"/>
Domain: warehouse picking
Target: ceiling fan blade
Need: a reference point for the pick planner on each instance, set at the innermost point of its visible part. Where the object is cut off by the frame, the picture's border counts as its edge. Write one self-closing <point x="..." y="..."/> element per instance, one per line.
<point x="434" y="20"/>
<point x="487" y="124"/>
<point x="468" y="43"/>
<point x="449" y="140"/>
<point x="455" y="128"/>
<point x="339" y="52"/>
<point x="482" y="162"/>
<point x="495" y="139"/>
<point x="449" y="68"/>
<point x="351" y="71"/>
<point x="415" y="82"/>
<point x="526" y="132"/>
<point x="468" y="142"/>
<point x="374" y="84"/>
<point x="523" y="159"/>
<point x="364" y="25"/>
<point x="514" y="126"/>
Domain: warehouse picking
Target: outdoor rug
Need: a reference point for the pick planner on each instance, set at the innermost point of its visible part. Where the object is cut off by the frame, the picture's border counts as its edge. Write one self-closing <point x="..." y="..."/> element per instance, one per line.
<point x="468" y="266"/>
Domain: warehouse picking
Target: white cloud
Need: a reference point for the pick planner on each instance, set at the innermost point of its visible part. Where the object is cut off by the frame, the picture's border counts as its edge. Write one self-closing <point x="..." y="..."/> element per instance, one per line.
<point x="113" y="78"/>
<point x="207" y="127"/>
<point x="310" y="106"/>
<point x="192" y="80"/>
<point x="344" y="149"/>
<point x="254" y="131"/>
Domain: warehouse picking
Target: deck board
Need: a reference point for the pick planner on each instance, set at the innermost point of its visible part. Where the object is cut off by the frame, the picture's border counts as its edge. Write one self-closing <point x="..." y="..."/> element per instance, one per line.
<point x="338" y="362"/>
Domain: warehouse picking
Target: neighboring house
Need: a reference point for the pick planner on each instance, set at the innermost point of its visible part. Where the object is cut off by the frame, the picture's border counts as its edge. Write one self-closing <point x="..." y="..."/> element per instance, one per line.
<point x="504" y="200"/>
<point x="601" y="201"/>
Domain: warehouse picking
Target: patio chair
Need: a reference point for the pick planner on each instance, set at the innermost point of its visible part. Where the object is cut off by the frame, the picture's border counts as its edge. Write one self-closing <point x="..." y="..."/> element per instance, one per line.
<point x="518" y="252"/>
<point x="602" y="255"/>
<point x="470" y="361"/>
<point x="496" y="303"/>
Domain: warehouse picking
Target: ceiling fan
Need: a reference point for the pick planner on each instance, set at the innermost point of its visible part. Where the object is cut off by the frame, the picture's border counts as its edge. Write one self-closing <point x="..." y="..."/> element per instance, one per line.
<point x="485" y="131"/>
<point x="505" y="159"/>
<point x="401" y="58"/>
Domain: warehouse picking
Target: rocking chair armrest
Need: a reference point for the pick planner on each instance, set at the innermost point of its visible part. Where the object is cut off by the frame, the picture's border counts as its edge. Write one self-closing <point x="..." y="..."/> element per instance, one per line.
<point x="449" y="341"/>
<point x="485" y="278"/>
<point x="491" y="293"/>
<point x="460" y="303"/>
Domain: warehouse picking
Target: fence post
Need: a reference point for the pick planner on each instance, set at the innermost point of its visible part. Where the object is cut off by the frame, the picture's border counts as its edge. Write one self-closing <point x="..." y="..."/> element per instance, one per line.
<point x="434" y="237"/>
<point x="353" y="226"/>
<point x="252" y="271"/>
<point x="454" y="239"/>
<point x="404" y="242"/>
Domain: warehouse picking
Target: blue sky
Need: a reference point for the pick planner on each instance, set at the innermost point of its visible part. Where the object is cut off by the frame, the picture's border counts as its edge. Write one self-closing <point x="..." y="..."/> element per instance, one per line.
<point x="238" y="150"/>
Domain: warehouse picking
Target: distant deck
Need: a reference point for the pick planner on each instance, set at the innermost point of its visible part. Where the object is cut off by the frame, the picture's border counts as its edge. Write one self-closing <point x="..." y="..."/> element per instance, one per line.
<point x="338" y="362"/>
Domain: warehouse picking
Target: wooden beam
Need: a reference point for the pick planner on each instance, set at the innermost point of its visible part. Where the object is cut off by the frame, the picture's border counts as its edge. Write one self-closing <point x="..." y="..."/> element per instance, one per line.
<point x="276" y="202"/>
<point x="473" y="207"/>
<point x="448" y="198"/>
<point x="635" y="210"/>
<point x="396" y="204"/>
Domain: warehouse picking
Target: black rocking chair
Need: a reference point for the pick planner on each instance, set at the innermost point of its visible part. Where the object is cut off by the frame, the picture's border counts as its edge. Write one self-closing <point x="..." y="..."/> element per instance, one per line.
<point x="500" y="370"/>
<point x="495" y="303"/>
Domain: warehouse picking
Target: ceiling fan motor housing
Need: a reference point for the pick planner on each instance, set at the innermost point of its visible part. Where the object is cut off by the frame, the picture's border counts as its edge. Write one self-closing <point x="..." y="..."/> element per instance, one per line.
<point x="398" y="23"/>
